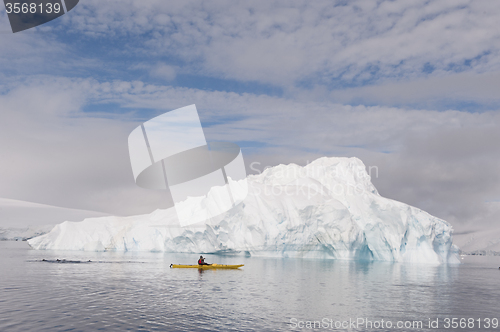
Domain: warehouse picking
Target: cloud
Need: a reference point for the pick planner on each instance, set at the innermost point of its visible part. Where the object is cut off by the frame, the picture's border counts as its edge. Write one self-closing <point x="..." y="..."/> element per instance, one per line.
<point x="437" y="92"/>
<point x="54" y="153"/>
<point x="159" y="70"/>
<point x="377" y="80"/>
<point x="163" y="71"/>
<point x="428" y="55"/>
<point x="452" y="173"/>
<point x="301" y="42"/>
<point x="17" y="55"/>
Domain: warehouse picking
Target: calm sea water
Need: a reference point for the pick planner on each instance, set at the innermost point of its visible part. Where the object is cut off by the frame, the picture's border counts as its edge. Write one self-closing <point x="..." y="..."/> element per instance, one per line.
<point x="139" y="292"/>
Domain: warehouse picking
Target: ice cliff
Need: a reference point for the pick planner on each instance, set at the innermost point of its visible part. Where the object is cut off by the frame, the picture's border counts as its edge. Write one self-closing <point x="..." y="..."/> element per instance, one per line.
<point x="327" y="209"/>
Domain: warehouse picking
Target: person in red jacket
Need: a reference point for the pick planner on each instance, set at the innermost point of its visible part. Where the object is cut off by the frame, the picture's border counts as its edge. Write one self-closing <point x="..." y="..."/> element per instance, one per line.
<point x="201" y="261"/>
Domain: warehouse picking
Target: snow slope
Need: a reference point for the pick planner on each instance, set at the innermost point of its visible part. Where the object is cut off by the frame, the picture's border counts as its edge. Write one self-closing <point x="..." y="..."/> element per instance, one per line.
<point x="20" y="220"/>
<point x="479" y="242"/>
<point x="327" y="209"/>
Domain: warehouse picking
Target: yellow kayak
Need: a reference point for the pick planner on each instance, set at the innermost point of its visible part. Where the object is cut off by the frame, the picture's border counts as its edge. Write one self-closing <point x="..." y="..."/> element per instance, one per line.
<point x="205" y="267"/>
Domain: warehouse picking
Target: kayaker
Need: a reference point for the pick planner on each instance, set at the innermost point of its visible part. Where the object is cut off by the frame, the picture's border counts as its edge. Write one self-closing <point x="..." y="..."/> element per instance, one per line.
<point x="201" y="261"/>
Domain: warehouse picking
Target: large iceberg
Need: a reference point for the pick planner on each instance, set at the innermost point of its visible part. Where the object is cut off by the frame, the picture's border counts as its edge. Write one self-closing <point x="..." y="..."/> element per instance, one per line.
<point x="327" y="209"/>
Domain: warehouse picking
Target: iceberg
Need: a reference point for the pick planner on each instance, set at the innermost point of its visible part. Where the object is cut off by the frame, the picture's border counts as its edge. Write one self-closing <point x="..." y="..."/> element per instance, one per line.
<point x="326" y="209"/>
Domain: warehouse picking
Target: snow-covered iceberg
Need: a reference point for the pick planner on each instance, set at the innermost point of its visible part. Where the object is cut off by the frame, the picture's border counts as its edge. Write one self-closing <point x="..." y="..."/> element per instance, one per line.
<point x="327" y="209"/>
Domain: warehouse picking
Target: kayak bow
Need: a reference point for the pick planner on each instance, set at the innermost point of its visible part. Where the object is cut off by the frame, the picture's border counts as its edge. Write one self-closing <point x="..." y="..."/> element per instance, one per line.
<point x="205" y="267"/>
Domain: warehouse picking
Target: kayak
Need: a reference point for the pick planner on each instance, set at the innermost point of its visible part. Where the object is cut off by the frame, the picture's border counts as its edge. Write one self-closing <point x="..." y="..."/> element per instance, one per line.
<point x="205" y="267"/>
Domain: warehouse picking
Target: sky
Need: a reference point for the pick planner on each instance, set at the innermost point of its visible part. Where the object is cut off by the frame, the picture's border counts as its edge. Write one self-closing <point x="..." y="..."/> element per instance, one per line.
<point x="409" y="87"/>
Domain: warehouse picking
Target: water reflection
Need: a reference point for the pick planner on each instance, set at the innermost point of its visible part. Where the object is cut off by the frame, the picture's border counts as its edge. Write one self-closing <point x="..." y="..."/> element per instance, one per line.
<point x="139" y="291"/>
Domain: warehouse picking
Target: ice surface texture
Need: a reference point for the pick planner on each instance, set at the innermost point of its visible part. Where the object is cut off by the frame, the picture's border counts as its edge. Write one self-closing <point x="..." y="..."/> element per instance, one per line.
<point x="327" y="209"/>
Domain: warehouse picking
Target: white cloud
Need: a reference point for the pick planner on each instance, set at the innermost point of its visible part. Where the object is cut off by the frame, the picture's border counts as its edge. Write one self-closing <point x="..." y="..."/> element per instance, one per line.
<point x="285" y="43"/>
<point x="408" y="52"/>
<point x="384" y="48"/>
<point x="456" y="88"/>
<point x="163" y="71"/>
<point x="53" y="153"/>
<point x="452" y="173"/>
<point x="445" y="162"/>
